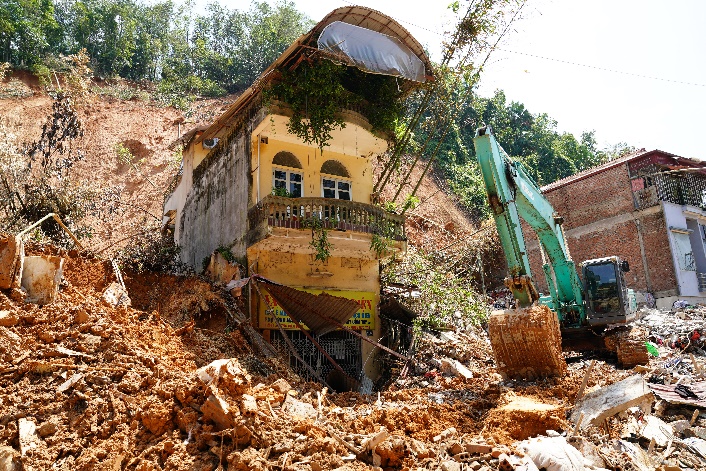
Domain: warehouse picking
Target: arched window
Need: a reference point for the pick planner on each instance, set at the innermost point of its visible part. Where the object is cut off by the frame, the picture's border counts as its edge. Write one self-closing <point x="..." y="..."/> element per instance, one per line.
<point x="331" y="187"/>
<point x="286" y="159"/>
<point x="285" y="181"/>
<point x="334" y="167"/>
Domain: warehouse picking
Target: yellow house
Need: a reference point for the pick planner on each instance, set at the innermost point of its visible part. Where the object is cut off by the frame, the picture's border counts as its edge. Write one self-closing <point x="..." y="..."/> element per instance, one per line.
<point x="251" y="185"/>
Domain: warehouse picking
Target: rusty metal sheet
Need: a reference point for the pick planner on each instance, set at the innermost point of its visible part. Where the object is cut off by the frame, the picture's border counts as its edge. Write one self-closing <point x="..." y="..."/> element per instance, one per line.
<point x="666" y="392"/>
<point x="320" y="312"/>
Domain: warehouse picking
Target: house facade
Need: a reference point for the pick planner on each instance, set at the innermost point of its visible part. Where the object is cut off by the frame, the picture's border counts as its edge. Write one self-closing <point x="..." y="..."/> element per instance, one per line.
<point x="251" y="186"/>
<point x="648" y="208"/>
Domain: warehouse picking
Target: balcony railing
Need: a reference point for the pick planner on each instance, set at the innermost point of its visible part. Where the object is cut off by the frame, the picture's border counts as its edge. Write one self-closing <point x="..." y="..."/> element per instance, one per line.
<point x="702" y="281"/>
<point x="297" y="213"/>
<point x="682" y="189"/>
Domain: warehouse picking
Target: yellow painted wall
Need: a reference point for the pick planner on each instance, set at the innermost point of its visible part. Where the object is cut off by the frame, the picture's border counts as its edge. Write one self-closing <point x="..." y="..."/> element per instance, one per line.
<point x="311" y="158"/>
<point x="293" y="269"/>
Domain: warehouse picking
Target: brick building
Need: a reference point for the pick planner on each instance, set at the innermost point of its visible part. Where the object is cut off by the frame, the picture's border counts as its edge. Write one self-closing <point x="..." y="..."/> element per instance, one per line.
<point x="648" y="208"/>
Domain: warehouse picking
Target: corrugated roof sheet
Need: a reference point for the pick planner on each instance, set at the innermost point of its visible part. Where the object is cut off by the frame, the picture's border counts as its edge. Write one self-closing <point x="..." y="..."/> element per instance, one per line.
<point x="317" y="311"/>
<point x="666" y="392"/>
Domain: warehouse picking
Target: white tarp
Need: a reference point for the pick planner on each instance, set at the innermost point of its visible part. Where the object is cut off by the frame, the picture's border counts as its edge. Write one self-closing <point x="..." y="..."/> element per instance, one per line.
<point x="372" y="51"/>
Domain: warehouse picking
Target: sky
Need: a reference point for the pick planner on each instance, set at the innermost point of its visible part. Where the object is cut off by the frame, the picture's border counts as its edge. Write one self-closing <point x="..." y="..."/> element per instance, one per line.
<point x="632" y="70"/>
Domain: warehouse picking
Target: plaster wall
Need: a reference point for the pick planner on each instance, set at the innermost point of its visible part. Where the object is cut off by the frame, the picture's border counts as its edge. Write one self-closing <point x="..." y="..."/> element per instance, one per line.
<point x="216" y="206"/>
<point x="311" y="158"/>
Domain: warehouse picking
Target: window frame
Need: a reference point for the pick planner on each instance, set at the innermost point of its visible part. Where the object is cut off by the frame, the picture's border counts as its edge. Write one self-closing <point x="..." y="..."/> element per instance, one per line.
<point x="288" y="181"/>
<point x="337" y="179"/>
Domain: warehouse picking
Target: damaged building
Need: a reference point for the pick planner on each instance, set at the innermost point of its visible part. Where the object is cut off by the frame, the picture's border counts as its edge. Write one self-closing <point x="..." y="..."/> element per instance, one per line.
<point x="255" y="189"/>
<point x="648" y="208"/>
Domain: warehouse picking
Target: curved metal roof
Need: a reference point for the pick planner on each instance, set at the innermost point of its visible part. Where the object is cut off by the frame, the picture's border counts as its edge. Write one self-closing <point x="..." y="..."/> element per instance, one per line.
<point x="355" y="15"/>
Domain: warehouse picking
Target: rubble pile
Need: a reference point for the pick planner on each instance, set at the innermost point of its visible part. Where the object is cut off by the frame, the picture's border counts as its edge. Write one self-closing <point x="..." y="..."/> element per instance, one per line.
<point x="168" y="381"/>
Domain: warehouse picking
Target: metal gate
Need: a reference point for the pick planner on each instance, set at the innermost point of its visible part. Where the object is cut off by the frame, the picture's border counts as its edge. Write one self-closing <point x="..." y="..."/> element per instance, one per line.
<point x="342" y="346"/>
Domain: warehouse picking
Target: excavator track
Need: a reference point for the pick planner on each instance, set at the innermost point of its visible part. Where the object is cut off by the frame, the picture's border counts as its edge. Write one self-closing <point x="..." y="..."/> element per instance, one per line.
<point x="526" y="343"/>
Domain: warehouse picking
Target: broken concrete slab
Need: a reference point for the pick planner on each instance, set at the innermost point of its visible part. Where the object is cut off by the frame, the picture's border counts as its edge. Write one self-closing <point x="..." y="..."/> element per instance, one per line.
<point x="41" y="276"/>
<point x="552" y="454"/>
<point x="115" y="295"/>
<point x="598" y="405"/>
<point x="455" y="368"/>
<point x="656" y="429"/>
<point x="11" y="261"/>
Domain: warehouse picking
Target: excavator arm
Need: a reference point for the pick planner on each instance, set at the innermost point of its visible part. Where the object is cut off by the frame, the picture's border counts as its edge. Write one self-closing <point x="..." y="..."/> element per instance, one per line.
<point x="513" y="194"/>
<point x="527" y="341"/>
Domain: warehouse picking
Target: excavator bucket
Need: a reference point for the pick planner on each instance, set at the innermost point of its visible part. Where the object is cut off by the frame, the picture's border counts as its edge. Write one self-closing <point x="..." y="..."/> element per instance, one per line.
<point x="526" y="343"/>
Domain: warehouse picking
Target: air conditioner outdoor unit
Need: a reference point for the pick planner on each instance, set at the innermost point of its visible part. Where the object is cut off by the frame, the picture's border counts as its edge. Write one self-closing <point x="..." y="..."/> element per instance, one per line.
<point x="209" y="143"/>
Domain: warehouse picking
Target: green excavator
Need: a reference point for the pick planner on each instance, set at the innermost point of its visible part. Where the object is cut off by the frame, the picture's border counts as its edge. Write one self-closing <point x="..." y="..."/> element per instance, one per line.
<point x="527" y="341"/>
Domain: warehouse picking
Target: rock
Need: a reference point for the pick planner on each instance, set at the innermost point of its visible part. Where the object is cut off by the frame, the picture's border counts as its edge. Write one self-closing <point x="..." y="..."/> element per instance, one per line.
<point x="454" y="448"/>
<point x="450" y="465"/>
<point x="281" y="385"/>
<point x="48" y="428"/>
<point x="605" y="402"/>
<point x="218" y="411"/>
<point x="475" y="466"/>
<point x="297" y="409"/>
<point x="478" y="448"/>
<point x="9" y="459"/>
<point x="157" y="418"/>
<point x="81" y="316"/>
<point x="28" y="435"/>
<point x="10" y="344"/>
<point x="8" y="319"/>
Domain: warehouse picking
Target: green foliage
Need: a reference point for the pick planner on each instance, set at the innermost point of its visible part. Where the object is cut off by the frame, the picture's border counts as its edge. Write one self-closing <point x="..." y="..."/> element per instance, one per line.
<point x="381" y="241"/>
<point x="319" y="239"/>
<point x="316" y="96"/>
<point x="153" y="251"/>
<point x="317" y="92"/>
<point x="281" y="191"/>
<point x="445" y="298"/>
<point x="221" y="50"/>
<point x="125" y="156"/>
<point x="226" y="253"/>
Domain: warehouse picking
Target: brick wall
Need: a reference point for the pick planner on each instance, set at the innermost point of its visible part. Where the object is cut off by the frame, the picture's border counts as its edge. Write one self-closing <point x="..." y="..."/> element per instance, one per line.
<point x="600" y="220"/>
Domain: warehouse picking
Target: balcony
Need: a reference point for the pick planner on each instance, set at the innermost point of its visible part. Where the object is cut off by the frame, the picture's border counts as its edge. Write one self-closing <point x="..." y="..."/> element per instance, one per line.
<point x="682" y="189"/>
<point x="336" y="215"/>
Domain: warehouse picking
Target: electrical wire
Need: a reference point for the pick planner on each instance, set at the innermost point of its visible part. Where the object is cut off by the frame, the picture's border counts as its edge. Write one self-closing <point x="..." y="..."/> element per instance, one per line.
<point x="561" y="61"/>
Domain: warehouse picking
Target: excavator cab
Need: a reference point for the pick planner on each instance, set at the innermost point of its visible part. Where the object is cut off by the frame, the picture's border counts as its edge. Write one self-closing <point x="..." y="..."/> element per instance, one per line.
<point x="608" y="299"/>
